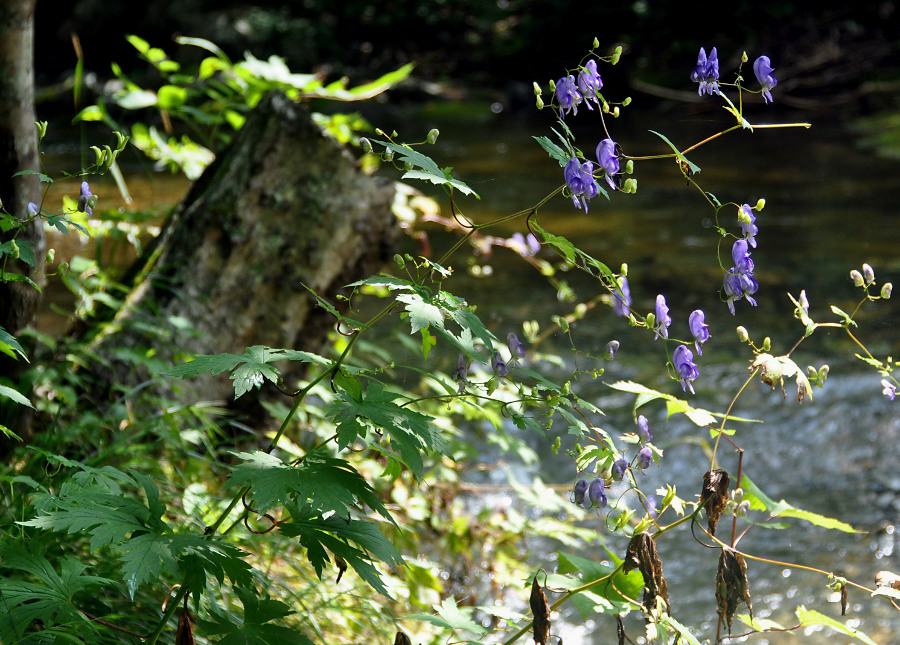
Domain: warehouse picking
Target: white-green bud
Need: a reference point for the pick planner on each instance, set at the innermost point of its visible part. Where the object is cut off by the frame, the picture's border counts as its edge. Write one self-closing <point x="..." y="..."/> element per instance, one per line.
<point x="742" y="334"/>
<point x="596" y="42"/>
<point x="857" y="278"/>
<point x="433" y="135"/>
<point x="63" y="268"/>
<point x="539" y="102"/>
<point x="744" y="58"/>
<point x="14" y="249"/>
<point x="537" y="88"/>
<point x="615" y="112"/>
<point x="868" y="273"/>
<point x="886" y="289"/>
<point x="760" y="204"/>
<point x="629" y="166"/>
<point x="365" y="144"/>
<point x="626" y="102"/>
<point x="767" y="344"/>
<point x="388" y="154"/>
<point x="51" y="254"/>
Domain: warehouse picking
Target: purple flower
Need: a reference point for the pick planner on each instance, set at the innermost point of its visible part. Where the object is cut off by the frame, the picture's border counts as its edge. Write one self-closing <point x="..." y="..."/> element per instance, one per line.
<point x="619" y="467"/>
<point x="568" y="95"/>
<point x="84" y="202"/>
<point x="498" y="365"/>
<point x="804" y="302"/>
<point x="580" y="181"/>
<point x="644" y="429"/>
<point x="706" y="72"/>
<point x="687" y="371"/>
<point x="622" y="297"/>
<point x="762" y="67"/>
<point x="578" y="493"/>
<point x="699" y="329"/>
<point x="663" y="319"/>
<point x="609" y="160"/>
<point x="525" y="246"/>
<point x="596" y="496"/>
<point x="644" y="457"/>
<point x="747" y="220"/>
<point x="611" y="348"/>
<point x="33" y="209"/>
<point x="461" y="373"/>
<point x="890" y="390"/>
<point x="589" y="83"/>
<point x="741" y="255"/>
<point x="516" y="348"/>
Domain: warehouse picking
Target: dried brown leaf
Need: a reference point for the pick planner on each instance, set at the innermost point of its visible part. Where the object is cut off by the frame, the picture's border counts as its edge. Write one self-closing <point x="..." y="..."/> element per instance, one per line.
<point x="714" y="496"/>
<point x="844" y="596"/>
<point x="184" y="633"/>
<point x="732" y="587"/>
<point x="401" y="639"/>
<point x="541" y="611"/>
<point x="341" y="565"/>
<point x="641" y="555"/>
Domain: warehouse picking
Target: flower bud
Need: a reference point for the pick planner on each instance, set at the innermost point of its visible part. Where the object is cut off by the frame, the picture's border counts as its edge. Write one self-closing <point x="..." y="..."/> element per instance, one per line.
<point x="623" y="270"/>
<point x="619" y="468"/>
<point x="63" y="268"/>
<point x="767" y="344"/>
<point x="886" y="289"/>
<point x="857" y="278"/>
<point x="399" y="261"/>
<point x="51" y="254"/>
<point x="433" y="135"/>
<point x="536" y="88"/>
<point x="32" y="209"/>
<point x="743" y="508"/>
<point x="611" y="348"/>
<point x="629" y="166"/>
<point x="552" y="86"/>
<point x="581" y="487"/>
<point x="868" y="273"/>
<point x="760" y="204"/>
<point x="630" y="186"/>
<point x="744" y="58"/>
<point x="737" y="495"/>
<point x="388" y="154"/>
<point x="13" y="249"/>
<point x="615" y="112"/>
<point x="823" y="373"/>
<point x="596" y="42"/>
<point x="743" y="336"/>
<point x="626" y="102"/>
<point x="539" y="103"/>
<point x="365" y="144"/>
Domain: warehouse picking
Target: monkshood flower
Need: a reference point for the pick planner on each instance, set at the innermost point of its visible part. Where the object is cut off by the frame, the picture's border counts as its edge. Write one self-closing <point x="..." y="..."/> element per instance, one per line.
<point x="611" y="348"/>
<point x="762" y="67"/>
<point x="580" y="181"/>
<point x="890" y="390"/>
<point x="619" y="468"/>
<point x="644" y="429"/>
<point x="699" y="329"/>
<point x="579" y="492"/>
<point x="706" y="72"/>
<point x="498" y="365"/>
<point x="525" y="246"/>
<point x="568" y="96"/>
<point x="687" y="371"/>
<point x="609" y="160"/>
<point x="747" y="220"/>
<point x="589" y="83"/>
<point x="32" y="209"/>
<point x="741" y="255"/>
<point x="516" y="348"/>
<point x="739" y="285"/>
<point x="84" y="201"/>
<point x="644" y="457"/>
<point x="622" y="297"/>
<point x="804" y="302"/>
<point x="596" y="498"/>
<point x="461" y="373"/>
<point x="663" y="319"/>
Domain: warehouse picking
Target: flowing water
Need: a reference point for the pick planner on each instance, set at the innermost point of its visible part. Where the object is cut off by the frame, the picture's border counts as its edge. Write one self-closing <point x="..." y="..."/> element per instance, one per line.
<point x="830" y="207"/>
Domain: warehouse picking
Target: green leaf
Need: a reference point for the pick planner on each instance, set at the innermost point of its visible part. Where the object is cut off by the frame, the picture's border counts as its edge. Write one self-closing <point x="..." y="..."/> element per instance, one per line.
<point x="135" y="99"/>
<point x="847" y="318"/>
<point x="561" y="244"/>
<point x="45" y="179"/>
<point x="609" y="587"/>
<point x="450" y="616"/>
<point x="698" y="416"/>
<point x="14" y="395"/>
<point x="320" y="482"/>
<point x="422" y="314"/>
<point x="255" y="628"/>
<point x="143" y="559"/>
<point x="694" y="167"/>
<point x="553" y="150"/>
<point x="759" y="501"/>
<point x="429" y="170"/>
<point x="811" y="617"/>
<point x="202" y="556"/>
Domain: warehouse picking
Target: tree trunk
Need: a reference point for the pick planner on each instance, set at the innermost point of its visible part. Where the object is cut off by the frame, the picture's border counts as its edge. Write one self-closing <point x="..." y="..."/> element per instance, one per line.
<point x="18" y="151"/>
<point x="284" y="206"/>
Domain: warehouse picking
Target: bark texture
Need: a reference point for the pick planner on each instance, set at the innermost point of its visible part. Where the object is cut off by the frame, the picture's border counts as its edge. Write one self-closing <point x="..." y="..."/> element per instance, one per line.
<point x="284" y="206"/>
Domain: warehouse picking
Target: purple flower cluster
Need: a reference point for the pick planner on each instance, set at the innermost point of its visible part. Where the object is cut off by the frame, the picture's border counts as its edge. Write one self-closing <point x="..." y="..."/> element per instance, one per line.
<point x="590" y="495"/>
<point x="739" y="281"/>
<point x="500" y="367"/>
<point x="706" y="72"/>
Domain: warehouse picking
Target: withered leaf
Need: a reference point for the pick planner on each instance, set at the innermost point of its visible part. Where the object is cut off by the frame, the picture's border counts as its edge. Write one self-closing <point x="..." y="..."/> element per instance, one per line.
<point x="714" y="496"/>
<point x="184" y="633"/>
<point x="401" y="639"/>
<point x="844" y="596"/>
<point x="887" y="579"/>
<point x="732" y="587"/>
<point x="541" y="611"/>
<point x="341" y="565"/>
<point x="641" y="555"/>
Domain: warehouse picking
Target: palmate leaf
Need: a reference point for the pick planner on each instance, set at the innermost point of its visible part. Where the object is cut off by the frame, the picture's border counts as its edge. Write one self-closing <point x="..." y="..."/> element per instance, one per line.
<point x="450" y="616"/>
<point x="760" y="502"/>
<point x="255" y="628"/>
<point x="428" y="170"/>
<point x="48" y="599"/>
<point x="144" y="558"/>
<point x="320" y="482"/>
<point x="411" y="433"/>
<point x="202" y="556"/>
<point x="248" y="370"/>
<point x="10" y="346"/>
<point x="334" y="534"/>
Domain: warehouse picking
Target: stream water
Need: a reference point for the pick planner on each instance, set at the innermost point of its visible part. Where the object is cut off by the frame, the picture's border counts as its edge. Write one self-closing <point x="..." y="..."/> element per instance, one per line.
<point x="830" y="207"/>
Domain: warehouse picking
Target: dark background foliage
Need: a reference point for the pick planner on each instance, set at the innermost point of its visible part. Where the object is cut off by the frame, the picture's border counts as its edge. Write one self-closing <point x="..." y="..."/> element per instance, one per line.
<point x="501" y="44"/>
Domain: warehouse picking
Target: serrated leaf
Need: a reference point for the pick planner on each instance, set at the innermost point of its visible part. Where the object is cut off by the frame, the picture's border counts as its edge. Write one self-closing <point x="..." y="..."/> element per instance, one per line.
<point x="15" y="396"/>
<point x="812" y="617"/>
<point x="561" y="244"/>
<point x="388" y="281"/>
<point x="759" y="501"/>
<point x="553" y="150"/>
<point x="202" y="556"/>
<point x="10" y="346"/>
<point x="255" y="629"/>
<point x="428" y="169"/>
<point x="422" y="314"/>
<point x="450" y="616"/>
<point x="143" y="559"/>
<point x="614" y="590"/>
<point x="321" y="482"/>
